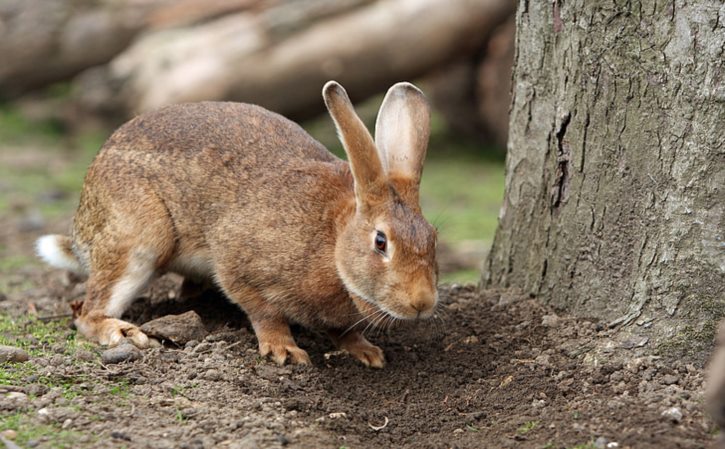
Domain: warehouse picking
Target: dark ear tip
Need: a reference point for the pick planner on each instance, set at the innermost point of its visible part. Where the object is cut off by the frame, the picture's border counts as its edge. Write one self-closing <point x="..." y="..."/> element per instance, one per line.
<point x="333" y="88"/>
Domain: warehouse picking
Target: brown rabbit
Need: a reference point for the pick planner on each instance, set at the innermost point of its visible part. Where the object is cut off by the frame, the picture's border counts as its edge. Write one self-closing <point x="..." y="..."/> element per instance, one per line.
<point x="240" y="195"/>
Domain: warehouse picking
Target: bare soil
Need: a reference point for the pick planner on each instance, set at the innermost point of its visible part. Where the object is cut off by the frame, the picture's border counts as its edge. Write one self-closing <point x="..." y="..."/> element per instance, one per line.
<point x="497" y="369"/>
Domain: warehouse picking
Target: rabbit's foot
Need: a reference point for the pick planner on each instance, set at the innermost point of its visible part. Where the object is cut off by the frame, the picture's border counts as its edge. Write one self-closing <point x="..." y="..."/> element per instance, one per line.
<point x="355" y="343"/>
<point x="111" y="331"/>
<point x="280" y="352"/>
<point x="275" y="340"/>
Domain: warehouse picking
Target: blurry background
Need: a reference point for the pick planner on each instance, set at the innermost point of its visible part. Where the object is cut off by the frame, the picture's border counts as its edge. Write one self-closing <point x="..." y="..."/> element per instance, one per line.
<point x="73" y="70"/>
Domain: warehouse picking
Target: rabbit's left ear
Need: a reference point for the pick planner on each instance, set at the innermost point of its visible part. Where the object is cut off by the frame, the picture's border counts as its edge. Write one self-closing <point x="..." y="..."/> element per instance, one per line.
<point x="402" y="131"/>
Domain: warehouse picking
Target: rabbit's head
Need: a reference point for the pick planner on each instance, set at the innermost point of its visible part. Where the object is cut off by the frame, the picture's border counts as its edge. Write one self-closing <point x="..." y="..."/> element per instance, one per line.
<point x="385" y="253"/>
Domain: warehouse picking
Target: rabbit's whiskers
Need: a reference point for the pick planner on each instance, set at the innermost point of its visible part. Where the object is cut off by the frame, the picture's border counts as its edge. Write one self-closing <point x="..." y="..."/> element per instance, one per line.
<point x="369" y="316"/>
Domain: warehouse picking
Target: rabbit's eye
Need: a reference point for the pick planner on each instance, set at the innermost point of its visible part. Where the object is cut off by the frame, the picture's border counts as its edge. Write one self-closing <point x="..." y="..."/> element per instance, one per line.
<point x="381" y="243"/>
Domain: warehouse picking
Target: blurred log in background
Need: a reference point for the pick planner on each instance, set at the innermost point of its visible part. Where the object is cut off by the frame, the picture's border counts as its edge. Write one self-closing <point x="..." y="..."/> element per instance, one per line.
<point x="122" y="57"/>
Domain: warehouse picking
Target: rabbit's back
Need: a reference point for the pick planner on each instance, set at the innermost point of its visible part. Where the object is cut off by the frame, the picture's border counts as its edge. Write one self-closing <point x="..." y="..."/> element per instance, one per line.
<point x="224" y="172"/>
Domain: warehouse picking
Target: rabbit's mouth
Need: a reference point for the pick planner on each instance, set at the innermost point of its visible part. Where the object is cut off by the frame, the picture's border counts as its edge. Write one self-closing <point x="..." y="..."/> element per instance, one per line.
<point x="405" y="310"/>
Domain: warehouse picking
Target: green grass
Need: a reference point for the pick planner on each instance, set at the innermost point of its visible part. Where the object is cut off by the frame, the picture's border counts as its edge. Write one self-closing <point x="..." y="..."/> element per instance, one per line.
<point x="121" y="388"/>
<point x="39" y="339"/>
<point x="527" y="427"/>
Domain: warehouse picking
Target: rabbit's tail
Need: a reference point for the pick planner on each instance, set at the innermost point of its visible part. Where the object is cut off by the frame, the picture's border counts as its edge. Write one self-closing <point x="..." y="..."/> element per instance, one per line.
<point x="57" y="250"/>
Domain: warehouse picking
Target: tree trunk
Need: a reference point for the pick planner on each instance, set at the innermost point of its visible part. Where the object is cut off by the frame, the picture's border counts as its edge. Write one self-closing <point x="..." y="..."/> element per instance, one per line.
<point x="616" y="166"/>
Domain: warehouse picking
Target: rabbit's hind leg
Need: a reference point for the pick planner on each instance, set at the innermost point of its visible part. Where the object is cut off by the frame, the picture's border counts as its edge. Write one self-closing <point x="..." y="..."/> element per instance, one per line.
<point x="109" y="292"/>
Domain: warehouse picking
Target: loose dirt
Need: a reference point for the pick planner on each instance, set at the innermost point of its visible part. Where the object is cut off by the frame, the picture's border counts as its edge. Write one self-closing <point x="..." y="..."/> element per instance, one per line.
<point x="494" y="370"/>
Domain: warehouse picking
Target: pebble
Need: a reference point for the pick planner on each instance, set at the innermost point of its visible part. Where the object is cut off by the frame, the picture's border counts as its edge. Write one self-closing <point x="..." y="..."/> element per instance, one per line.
<point x="57" y="360"/>
<point x="202" y="348"/>
<point x="17" y="396"/>
<point x="12" y="354"/>
<point x="670" y="379"/>
<point x="673" y="414"/>
<point x="120" y="435"/>
<point x="121" y="353"/>
<point x="550" y="320"/>
<point x="178" y="329"/>
<point x="471" y="340"/>
<point x="85" y="356"/>
<point x="10" y="434"/>
<point x="247" y="442"/>
<point x="213" y="375"/>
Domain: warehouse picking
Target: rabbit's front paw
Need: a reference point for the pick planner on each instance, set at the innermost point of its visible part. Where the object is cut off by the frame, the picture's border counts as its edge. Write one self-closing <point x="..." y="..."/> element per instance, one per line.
<point x="281" y="351"/>
<point x="359" y="347"/>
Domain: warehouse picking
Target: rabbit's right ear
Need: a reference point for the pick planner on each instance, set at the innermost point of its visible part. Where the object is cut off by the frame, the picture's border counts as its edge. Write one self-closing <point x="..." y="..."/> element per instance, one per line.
<point x="402" y="130"/>
<point x="367" y="171"/>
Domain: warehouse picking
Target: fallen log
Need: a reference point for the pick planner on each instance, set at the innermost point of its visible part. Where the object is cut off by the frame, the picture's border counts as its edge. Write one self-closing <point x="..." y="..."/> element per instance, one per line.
<point x="45" y="41"/>
<point x="240" y="57"/>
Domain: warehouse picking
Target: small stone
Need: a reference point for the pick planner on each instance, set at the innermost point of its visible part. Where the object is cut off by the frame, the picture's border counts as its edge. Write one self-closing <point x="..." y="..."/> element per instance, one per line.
<point x="670" y="379"/>
<point x="247" y="442"/>
<point x="471" y="340"/>
<point x="673" y="414"/>
<point x="178" y="329"/>
<point x="282" y="439"/>
<point x="458" y="431"/>
<point x="120" y="436"/>
<point x="550" y="320"/>
<point x="12" y="354"/>
<point x="635" y="342"/>
<point x="57" y="360"/>
<point x="202" y="348"/>
<point x="336" y="415"/>
<point x="17" y="399"/>
<point x="538" y="403"/>
<point x="67" y="423"/>
<point x="601" y="443"/>
<point x="212" y="375"/>
<point x="10" y="434"/>
<point x="121" y="353"/>
<point x="85" y="356"/>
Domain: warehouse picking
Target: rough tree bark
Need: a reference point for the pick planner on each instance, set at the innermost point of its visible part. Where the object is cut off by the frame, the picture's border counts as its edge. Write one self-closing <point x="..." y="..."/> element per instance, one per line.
<point x="616" y="166"/>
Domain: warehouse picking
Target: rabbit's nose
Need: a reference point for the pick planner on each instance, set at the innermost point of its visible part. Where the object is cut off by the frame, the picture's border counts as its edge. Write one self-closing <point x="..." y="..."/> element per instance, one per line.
<point x="424" y="302"/>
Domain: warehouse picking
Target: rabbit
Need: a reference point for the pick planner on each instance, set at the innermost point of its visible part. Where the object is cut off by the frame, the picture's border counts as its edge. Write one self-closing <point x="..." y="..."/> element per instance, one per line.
<point x="234" y="193"/>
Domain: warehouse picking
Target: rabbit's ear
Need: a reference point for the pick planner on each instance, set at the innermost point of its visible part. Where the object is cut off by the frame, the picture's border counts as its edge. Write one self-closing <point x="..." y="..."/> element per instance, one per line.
<point x="366" y="168"/>
<point x="401" y="132"/>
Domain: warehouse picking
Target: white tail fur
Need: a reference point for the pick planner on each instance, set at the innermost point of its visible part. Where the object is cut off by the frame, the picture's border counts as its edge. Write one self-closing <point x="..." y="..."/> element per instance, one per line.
<point x="56" y="251"/>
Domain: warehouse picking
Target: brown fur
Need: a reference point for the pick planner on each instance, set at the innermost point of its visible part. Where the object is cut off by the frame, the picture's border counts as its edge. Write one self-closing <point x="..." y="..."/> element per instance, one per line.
<point x="241" y="195"/>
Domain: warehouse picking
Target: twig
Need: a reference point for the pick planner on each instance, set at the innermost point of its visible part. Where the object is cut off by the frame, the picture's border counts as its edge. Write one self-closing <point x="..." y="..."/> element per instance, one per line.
<point x="54" y="317"/>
